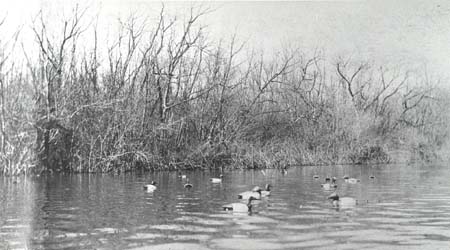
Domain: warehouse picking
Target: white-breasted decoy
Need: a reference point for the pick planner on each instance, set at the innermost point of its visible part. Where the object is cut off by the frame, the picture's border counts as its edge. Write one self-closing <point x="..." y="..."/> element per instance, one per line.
<point x="344" y="202"/>
<point x="216" y="180"/>
<point x="182" y="176"/>
<point x="188" y="185"/>
<point x="255" y="193"/>
<point x="150" y="187"/>
<point x="352" y="180"/>
<point x="240" y="207"/>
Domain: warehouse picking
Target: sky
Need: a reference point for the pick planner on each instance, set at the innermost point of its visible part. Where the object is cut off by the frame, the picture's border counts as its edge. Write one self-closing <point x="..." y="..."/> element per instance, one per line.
<point x="404" y="33"/>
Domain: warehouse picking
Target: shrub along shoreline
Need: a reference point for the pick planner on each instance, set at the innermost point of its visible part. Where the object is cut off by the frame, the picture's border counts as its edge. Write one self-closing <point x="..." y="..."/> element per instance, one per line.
<point x="162" y="96"/>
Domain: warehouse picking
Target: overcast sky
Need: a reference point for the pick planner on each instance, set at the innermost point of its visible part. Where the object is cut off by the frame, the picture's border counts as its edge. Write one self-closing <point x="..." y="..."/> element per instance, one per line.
<point x="411" y="33"/>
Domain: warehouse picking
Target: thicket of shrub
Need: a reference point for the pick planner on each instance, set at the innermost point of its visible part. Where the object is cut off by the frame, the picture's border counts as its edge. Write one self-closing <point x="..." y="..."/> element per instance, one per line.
<point x="163" y="96"/>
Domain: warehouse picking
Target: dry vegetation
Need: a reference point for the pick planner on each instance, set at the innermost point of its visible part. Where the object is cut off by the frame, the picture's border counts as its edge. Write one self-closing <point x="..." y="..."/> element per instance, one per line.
<point x="163" y="96"/>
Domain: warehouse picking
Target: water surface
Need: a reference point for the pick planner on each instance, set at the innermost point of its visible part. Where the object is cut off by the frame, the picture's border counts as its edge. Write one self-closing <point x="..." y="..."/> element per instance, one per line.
<point x="403" y="207"/>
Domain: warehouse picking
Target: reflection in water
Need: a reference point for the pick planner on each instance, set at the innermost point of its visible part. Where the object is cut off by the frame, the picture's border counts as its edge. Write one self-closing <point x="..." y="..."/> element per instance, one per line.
<point x="401" y="208"/>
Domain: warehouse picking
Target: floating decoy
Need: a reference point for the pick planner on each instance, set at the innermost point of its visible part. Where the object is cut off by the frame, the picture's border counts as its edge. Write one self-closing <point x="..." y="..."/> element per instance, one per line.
<point x="329" y="186"/>
<point x="345" y="177"/>
<point x="327" y="178"/>
<point x="344" y="202"/>
<point x="255" y="193"/>
<point x="150" y="187"/>
<point x="352" y="180"/>
<point x="372" y="177"/>
<point x="266" y="192"/>
<point x="217" y="180"/>
<point x="240" y="207"/>
<point x="182" y="176"/>
<point x="187" y="185"/>
<point x="315" y="176"/>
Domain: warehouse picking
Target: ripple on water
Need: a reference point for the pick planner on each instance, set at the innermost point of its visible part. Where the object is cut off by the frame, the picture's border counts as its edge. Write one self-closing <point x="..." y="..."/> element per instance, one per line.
<point x="312" y="243"/>
<point x="389" y="220"/>
<point x="249" y="244"/>
<point x="144" y="236"/>
<point x="309" y="216"/>
<point x="109" y="230"/>
<point x="437" y="223"/>
<point x="371" y="235"/>
<point x="297" y="216"/>
<point x="190" y="237"/>
<point x="297" y="226"/>
<point x="298" y="237"/>
<point x="187" y="228"/>
<point x="203" y="221"/>
<point x="173" y="246"/>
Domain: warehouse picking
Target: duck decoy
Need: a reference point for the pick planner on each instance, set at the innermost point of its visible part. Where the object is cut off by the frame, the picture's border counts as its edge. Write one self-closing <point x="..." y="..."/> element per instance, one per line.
<point x="182" y="176"/>
<point x="150" y="187"/>
<point x="188" y="185"/>
<point x="372" y="177"/>
<point x="352" y="180"/>
<point x="315" y="176"/>
<point x="216" y="180"/>
<point x="327" y="178"/>
<point x="344" y="202"/>
<point x="255" y="193"/>
<point x="266" y="192"/>
<point x="329" y="185"/>
<point x="240" y="207"/>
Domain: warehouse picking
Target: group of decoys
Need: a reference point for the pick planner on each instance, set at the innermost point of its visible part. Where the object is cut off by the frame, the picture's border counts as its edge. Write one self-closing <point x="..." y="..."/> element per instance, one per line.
<point x="257" y="193"/>
<point x="152" y="186"/>
<point x="330" y="185"/>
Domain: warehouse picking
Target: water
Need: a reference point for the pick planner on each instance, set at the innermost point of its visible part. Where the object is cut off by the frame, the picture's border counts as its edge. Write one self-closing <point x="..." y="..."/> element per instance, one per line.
<point x="404" y="207"/>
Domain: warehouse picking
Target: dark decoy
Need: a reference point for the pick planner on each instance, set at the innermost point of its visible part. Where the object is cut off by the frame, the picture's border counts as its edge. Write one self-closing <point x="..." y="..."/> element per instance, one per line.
<point x="344" y="202"/>
<point x="266" y="192"/>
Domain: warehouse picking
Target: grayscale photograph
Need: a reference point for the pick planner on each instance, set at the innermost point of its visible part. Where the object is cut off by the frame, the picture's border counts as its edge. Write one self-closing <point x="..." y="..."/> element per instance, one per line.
<point x="224" y="125"/>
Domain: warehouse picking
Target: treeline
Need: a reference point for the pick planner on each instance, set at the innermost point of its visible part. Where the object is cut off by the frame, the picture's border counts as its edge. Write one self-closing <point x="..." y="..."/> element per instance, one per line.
<point x="161" y="95"/>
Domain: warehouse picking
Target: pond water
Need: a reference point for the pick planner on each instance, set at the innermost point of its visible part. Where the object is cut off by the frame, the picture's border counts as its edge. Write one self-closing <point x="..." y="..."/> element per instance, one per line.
<point x="403" y="207"/>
